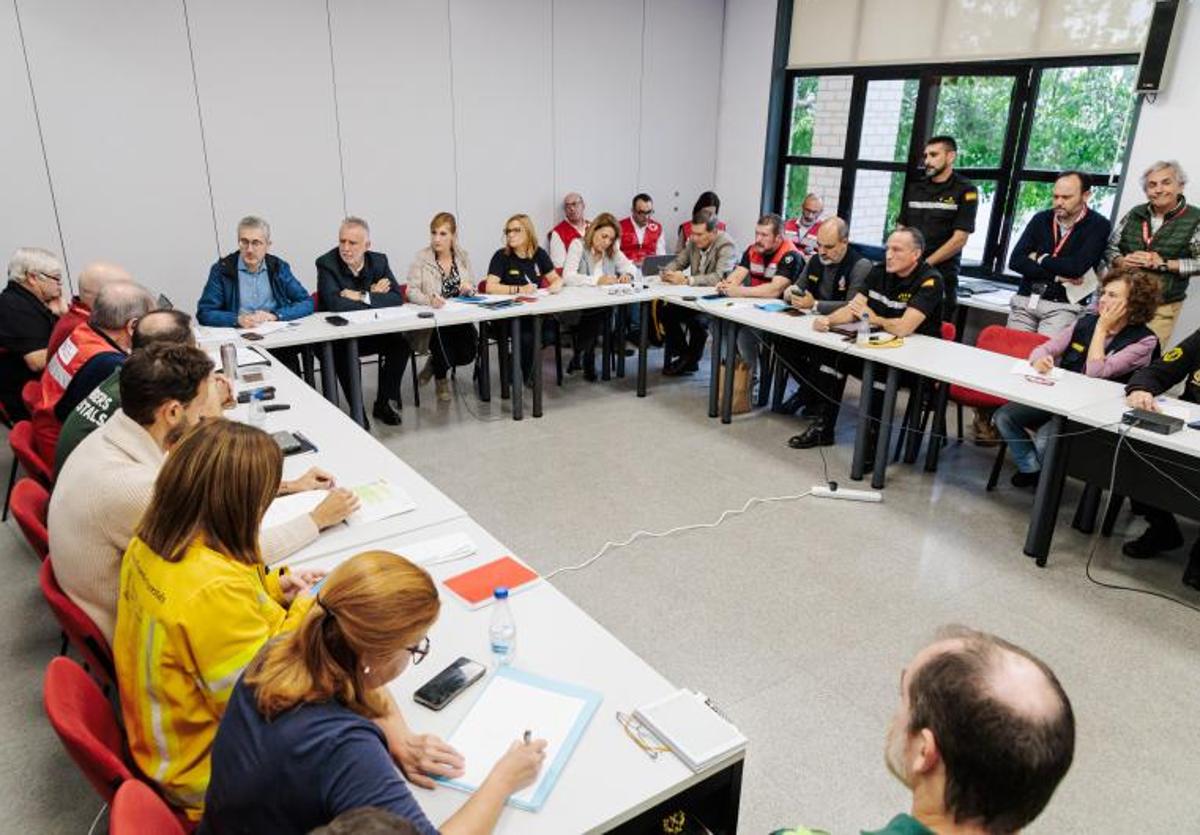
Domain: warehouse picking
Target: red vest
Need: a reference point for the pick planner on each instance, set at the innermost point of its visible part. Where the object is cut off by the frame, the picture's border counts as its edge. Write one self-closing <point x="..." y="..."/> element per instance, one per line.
<point x="806" y="243"/>
<point x="635" y="252"/>
<point x="567" y="234"/>
<point x="762" y="273"/>
<point x="83" y="344"/>
<point x="685" y="229"/>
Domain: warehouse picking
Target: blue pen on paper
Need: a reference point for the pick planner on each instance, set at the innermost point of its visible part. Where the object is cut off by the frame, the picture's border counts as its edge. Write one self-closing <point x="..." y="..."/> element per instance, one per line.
<point x="527" y="736"/>
<point x="315" y="588"/>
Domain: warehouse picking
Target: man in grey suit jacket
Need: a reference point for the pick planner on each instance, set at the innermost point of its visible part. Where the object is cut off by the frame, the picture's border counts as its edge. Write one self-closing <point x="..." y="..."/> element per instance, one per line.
<point x="709" y="255"/>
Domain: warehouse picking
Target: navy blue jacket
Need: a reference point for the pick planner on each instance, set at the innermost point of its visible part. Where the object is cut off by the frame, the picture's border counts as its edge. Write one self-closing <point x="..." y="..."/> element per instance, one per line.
<point x="333" y="276"/>
<point x="1082" y="251"/>
<point x="219" y="302"/>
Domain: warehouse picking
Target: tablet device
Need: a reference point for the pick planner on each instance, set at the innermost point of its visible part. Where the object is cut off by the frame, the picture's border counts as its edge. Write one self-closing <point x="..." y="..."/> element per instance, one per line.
<point x="654" y="264"/>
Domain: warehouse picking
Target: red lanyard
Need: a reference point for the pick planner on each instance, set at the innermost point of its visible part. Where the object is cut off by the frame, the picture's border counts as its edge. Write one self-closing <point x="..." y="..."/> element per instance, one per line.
<point x="1059" y="243"/>
<point x="1147" y="238"/>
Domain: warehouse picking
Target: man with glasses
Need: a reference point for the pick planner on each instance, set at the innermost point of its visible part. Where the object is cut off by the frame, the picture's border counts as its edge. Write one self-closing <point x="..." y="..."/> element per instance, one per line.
<point x="641" y="235"/>
<point x="29" y="308"/>
<point x="251" y="287"/>
<point x="571" y="227"/>
<point x="802" y="230"/>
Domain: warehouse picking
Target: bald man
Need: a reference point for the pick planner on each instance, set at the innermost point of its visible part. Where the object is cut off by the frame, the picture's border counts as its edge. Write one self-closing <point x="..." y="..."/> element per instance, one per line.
<point x="982" y="736"/>
<point x="802" y="230"/>
<point x="94" y="276"/>
<point x="571" y="227"/>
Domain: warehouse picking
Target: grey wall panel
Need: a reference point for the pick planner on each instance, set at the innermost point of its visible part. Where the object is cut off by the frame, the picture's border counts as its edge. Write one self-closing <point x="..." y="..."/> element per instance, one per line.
<point x="114" y="89"/>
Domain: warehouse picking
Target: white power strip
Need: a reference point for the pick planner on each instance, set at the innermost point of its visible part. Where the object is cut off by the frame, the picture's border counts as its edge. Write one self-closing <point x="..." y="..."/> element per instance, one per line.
<point x="822" y="491"/>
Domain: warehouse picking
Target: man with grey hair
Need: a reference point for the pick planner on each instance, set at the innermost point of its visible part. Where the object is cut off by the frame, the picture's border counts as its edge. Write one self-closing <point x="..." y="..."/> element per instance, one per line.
<point x="94" y="276"/>
<point x="1162" y="235"/>
<point x="352" y="277"/>
<point x="573" y="225"/>
<point x="87" y="357"/>
<point x="29" y="307"/>
<point x="251" y="287"/>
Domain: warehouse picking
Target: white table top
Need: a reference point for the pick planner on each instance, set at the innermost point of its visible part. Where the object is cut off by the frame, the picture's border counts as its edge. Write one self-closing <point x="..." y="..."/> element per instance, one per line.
<point x="1106" y="412"/>
<point x="351" y="455"/>
<point x="608" y="778"/>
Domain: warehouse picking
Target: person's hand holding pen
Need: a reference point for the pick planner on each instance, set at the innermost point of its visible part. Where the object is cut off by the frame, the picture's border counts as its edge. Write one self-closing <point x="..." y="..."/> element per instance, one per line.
<point x="519" y="766"/>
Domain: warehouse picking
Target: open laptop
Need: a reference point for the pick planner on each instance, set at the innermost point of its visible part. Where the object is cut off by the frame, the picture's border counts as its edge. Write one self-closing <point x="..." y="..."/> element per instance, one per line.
<point x="654" y="263"/>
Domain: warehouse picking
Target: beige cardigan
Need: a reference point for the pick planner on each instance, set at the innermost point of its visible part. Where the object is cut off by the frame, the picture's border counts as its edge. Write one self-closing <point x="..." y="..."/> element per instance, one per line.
<point x="99" y="497"/>
<point x="425" y="279"/>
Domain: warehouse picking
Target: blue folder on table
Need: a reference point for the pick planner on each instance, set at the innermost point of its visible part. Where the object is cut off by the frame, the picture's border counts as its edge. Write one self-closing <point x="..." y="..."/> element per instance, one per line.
<point x="512" y="702"/>
<point x="773" y="306"/>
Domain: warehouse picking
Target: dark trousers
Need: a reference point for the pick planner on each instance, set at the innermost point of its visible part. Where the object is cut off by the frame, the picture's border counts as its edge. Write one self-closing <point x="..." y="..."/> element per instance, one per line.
<point x="812" y="367"/>
<point x="685" y="332"/>
<point x="289" y="357"/>
<point x="549" y="334"/>
<point x="588" y="330"/>
<point x="394" y="354"/>
<point x="450" y="346"/>
<point x="949" y="271"/>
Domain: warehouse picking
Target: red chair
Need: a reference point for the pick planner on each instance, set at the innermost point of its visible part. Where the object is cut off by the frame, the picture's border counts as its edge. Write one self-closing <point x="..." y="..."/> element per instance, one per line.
<point x="25" y="454"/>
<point x="30" y="501"/>
<point x="1000" y="340"/>
<point x="138" y="810"/>
<point x="78" y="629"/>
<point x="32" y="394"/>
<point x="83" y="718"/>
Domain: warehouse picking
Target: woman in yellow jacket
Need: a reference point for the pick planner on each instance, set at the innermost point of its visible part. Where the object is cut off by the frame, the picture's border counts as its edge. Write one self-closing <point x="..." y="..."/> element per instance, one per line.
<point x="197" y="603"/>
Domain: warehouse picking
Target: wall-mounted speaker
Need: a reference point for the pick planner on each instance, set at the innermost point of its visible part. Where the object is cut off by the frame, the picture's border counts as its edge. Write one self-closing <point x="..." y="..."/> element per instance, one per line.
<point x="1158" y="41"/>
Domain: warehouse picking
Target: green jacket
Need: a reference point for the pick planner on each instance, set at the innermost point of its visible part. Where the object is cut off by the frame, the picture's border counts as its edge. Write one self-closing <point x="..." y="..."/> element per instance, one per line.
<point x="1173" y="241"/>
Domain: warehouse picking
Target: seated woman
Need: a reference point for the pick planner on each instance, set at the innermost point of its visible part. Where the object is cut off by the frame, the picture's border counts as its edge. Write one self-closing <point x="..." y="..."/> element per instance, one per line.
<point x="306" y="734"/>
<point x="196" y="601"/>
<point x="442" y="271"/>
<point x="1111" y="343"/>
<point x="519" y="268"/>
<point x="595" y="260"/>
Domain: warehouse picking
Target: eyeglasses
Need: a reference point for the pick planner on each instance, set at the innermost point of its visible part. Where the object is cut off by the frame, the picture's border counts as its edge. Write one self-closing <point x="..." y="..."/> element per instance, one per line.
<point x="643" y="212"/>
<point x="514" y="230"/>
<point x="57" y="279"/>
<point x="249" y="244"/>
<point x="419" y="652"/>
<point x="641" y="736"/>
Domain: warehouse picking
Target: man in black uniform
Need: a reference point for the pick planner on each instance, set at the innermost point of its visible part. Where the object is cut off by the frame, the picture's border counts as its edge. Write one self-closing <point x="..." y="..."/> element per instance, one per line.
<point x="1179" y="363"/>
<point x="942" y="206"/>
<point x="902" y="296"/>
<point x="833" y="276"/>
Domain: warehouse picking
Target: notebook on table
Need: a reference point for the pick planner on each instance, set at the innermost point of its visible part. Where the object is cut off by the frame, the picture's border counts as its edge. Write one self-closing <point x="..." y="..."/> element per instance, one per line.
<point x="474" y="588"/>
<point x="690" y="726"/>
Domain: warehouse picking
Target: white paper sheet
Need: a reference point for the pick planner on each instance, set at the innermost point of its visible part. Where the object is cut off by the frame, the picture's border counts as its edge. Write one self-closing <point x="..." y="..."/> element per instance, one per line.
<point x="455" y="546"/>
<point x="505" y="710"/>
<point x="379" y="500"/>
<point x="1077" y="292"/>
<point x="382" y="314"/>
<point x="1023" y="368"/>
<point x="245" y="356"/>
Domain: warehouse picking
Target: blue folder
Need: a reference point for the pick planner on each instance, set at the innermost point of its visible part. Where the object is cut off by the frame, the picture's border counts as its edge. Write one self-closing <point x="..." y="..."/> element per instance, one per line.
<point x="551" y="770"/>
<point x="773" y="306"/>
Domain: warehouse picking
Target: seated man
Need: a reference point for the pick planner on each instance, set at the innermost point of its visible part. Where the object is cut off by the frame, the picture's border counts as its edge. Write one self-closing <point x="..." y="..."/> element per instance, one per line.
<point x="29" y="307"/>
<point x="802" y="230"/>
<point x="93" y="277"/>
<point x="708" y="255"/>
<point x="250" y="287"/>
<point x="1058" y="247"/>
<point x="86" y="358"/>
<point x="104" y="487"/>
<point x="902" y="296"/>
<point x="171" y="327"/>
<point x="836" y="274"/>
<point x="351" y="277"/>
<point x="1181" y="364"/>
<point x="768" y="267"/>
<point x="641" y="235"/>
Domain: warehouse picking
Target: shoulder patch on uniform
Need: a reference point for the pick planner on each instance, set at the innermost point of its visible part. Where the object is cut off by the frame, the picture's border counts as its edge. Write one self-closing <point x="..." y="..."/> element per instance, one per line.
<point x="1173" y="354"/>
<point x="1078" y="346"/>
<point x="929" y="282"/>
<point x="788" y="259"/>
<point x="970" y="196"/>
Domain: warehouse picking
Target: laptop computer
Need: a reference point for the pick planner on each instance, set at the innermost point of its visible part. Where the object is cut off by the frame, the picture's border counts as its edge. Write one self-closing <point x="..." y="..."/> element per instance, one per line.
<point x="654" y="263"/>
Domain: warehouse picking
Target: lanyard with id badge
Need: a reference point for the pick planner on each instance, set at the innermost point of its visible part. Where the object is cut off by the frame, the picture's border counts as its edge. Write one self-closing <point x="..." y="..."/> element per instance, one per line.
<point x="1060" y="240"/>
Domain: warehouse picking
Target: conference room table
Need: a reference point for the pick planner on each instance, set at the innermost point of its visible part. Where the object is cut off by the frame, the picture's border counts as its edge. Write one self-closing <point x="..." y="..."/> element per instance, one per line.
<point x="316" y="332"/>
<point x="609" y="783"/>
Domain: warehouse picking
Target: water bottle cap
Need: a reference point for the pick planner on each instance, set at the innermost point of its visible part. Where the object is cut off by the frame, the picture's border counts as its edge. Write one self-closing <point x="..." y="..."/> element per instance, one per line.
<point x="501" y="593"/>
<point x="258" y="395"/>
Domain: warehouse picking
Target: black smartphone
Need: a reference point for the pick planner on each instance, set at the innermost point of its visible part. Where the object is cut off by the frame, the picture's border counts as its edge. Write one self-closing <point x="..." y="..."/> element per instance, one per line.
<point x="252" y="336"/>
<point x="277" y="407"/>
<point x="425" y="314"/>
<point x="443" y="688"/>
<point x="337" y="320"/>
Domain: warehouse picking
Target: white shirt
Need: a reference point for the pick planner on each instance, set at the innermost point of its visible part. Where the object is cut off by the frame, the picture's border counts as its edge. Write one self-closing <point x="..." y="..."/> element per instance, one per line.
<point x="660" y="248"/>
<point x="572" y="277"/>
<point x="558" y="251"/>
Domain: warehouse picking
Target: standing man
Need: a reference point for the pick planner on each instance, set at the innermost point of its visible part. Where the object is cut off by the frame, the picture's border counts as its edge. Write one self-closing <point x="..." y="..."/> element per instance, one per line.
<point x="30" y="306"/>
<point x="1163" y="235"/>
<point x="352" y="277"/>
<point x="641" y="235"/>
<point x="93" y="277"/>
<point x="91" y="353"/>
<point x="802" y="230"/>
<point x="251" y="287"/>
<point x="1057" y="249"/>
<point x="572" y="227"/>
<point x="708" y="255"/>
<point x="942" y="207"/>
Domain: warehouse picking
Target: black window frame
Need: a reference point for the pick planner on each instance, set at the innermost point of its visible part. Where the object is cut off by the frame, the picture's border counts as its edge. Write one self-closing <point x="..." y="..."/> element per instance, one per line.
<point x="1008" y="176"/>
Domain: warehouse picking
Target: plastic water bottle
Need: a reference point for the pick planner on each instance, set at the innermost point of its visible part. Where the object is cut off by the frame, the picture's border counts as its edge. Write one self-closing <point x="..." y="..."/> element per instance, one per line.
<point x="258" y="415"/>
<point x="864" y="329"/>
<point x="502" y="631"/>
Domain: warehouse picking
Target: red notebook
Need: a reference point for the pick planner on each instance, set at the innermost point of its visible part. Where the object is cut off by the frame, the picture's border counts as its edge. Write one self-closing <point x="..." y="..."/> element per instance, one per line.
<point x="475" y="587"/>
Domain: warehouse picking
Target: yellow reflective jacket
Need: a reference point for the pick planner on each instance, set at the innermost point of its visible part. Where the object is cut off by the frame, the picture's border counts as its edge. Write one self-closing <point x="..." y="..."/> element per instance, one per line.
<point x="185" y="631"/>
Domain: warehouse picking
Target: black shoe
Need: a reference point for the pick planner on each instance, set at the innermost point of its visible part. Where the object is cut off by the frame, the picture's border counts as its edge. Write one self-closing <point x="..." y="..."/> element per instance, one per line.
<point x="817" y="434"/>
<point x="573" y="365"/>
<point x="1153" y="541"/>
<point x="680" y="366"/>
<point x="1191" y="574"/>
<point x="387" y="411"/>
<point x="1020" y="479"/>
<point x="792" y="404"/>
<point x="589" y="367"/>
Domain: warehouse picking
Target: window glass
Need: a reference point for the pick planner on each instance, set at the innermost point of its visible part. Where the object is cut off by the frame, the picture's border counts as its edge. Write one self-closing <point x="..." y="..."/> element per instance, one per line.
<point x="1099" y="102"/>
<point x="974" y="110"/>
<point x="877" y="196"/>
<point x="822" y="180"/>
<point x="888" y="119"/>
<point x="820" y="116"/>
